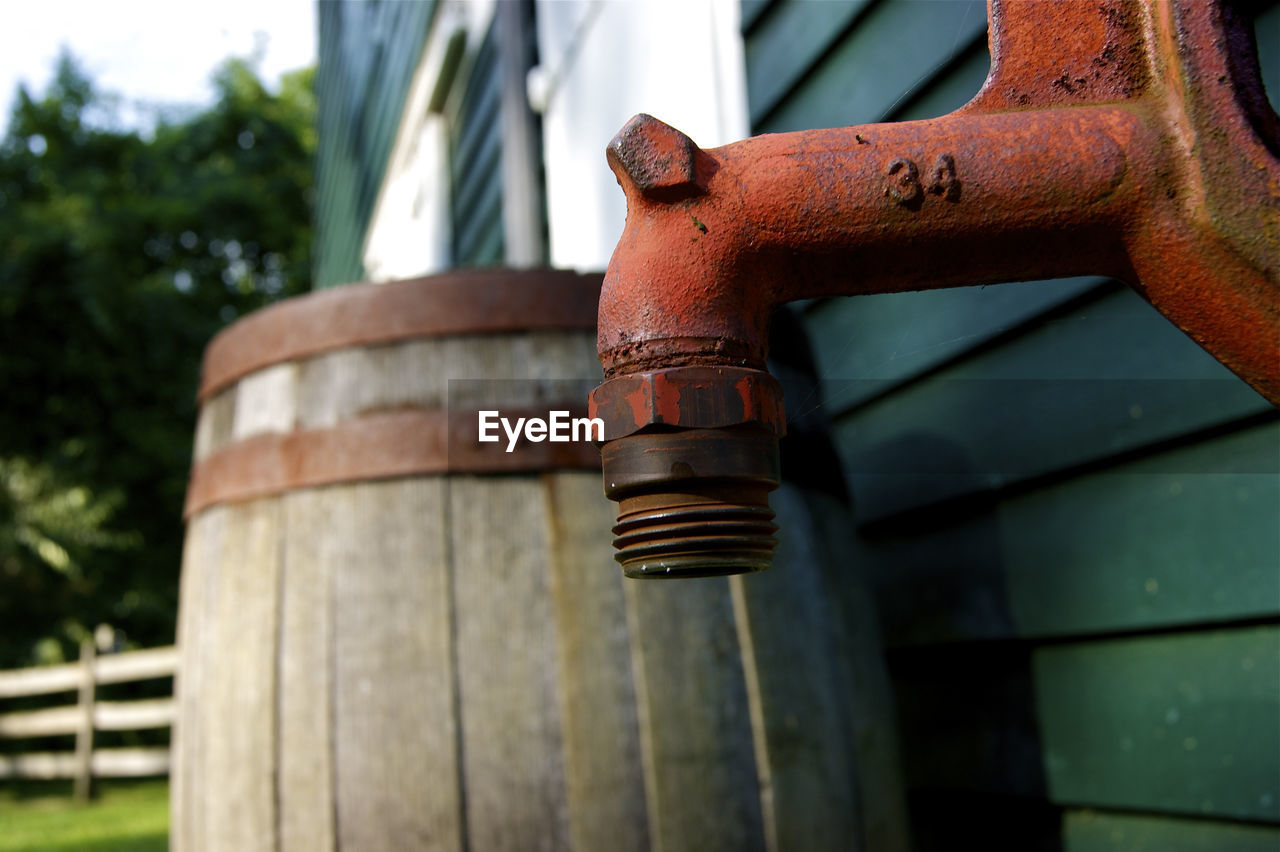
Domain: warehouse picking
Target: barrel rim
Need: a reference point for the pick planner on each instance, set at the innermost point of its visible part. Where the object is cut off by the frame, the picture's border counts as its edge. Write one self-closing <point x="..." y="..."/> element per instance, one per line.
<point x="462" y="301"/>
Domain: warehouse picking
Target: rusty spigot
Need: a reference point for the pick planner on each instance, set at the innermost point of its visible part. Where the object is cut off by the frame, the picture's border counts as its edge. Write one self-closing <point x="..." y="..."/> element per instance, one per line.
<point x="1136" y="142"/>
<point x="690" y="455"/>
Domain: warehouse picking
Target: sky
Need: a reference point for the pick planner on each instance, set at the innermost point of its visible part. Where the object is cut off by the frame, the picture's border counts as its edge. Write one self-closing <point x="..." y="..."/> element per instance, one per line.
<point x="150" y="51"/>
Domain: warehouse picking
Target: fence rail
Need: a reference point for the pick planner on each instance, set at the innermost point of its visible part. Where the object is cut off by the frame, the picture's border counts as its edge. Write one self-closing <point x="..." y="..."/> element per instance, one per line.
<point x="87" y="716"/>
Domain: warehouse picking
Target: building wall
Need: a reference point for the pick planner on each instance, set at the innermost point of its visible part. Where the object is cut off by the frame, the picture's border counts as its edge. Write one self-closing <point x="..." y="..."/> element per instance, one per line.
<point x="603" y="62"/>
<point x="446" y="198"/>
<point x="367" y="55"/>
<point x="1068" y="510"/>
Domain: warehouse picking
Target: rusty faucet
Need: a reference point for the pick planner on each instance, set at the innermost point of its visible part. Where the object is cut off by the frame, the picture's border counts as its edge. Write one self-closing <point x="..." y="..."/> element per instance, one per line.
<point x="1129" y="138"/>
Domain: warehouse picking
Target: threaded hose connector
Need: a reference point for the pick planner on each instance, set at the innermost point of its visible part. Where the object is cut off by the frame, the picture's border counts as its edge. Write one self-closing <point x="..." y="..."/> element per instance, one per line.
<point x="693" y="502"/>
<point x="690" y="455"/>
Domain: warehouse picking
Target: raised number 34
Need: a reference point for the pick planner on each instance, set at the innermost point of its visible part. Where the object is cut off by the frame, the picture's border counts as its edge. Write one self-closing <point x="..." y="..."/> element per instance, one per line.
<point x="905" y="186"/>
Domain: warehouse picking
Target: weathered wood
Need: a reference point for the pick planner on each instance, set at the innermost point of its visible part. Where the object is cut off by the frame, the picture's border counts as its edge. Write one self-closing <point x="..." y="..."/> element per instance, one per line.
<point x="234" y="781"/>
<point x="597" y="699"/>
<point x="84" y="728"/>
<point x="197" y="604"/>
<point x="130" y="762"/>
<point x="306" y="655"/>
<point x="266" y="401"/>
<point x="697" y="744"/>
<point x="38" y="765"/>
<point x="133" y="715"/>
<point x="453" y="661"/>
<point x="42" y="680"/>
<point x="39" y="681"/>
<point x="511" y="728"/>
<point x="107" y="763"/>
<point x="41" y="723"/>
<point x="116" y="668"/>
<point x="340" y="385"/>
<point x="107" y="716"/>
<point x="136" y="665"/>
<point x="214" y="423"/>
<point x="823" y="712"/>
<point x="394" y="725"/>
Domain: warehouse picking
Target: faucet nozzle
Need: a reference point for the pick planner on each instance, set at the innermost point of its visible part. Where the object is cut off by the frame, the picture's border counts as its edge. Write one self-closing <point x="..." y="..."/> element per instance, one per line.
<point x="690" y="455"/>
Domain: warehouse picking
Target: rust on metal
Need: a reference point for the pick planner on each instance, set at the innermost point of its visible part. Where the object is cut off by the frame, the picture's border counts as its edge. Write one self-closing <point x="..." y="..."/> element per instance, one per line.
<point x="377" y="445"/>
<point x="1129" y="138"/>
<point x="472" y="301"/>
<point x="689" y="398"/>
<point x="693" y="502"/>
<point x="660" y="161"/>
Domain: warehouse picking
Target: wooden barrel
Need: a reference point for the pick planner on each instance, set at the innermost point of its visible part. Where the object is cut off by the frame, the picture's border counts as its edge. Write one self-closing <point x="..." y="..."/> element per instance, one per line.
<point x="393" y="637"/>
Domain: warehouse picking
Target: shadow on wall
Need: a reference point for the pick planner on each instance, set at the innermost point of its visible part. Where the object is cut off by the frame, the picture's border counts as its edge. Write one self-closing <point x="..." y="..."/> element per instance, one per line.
<point x="971" y="745"/>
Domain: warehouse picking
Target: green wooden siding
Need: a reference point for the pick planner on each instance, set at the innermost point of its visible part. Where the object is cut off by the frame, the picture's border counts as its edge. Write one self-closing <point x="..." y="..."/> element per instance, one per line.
<point x="1069" y="512"/>
<point x="476" y="163"/>
<point x="1186" y="723"/>
<point x="1165" y="540"/>
<point x="476" y="151"/>
<point x="1087" y="831"/>
<point x="368" y="52"/>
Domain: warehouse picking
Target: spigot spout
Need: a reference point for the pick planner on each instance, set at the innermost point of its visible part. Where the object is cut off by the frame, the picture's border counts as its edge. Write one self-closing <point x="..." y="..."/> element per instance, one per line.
<point x="1169" y="184"/>
<point x="690" y="455"/>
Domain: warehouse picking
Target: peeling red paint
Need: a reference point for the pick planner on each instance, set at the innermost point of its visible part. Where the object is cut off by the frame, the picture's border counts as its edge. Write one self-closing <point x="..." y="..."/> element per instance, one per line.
<point x="1128" y="138"/>
<point x="666" y="399"/>
<point x="1074" y="146"/>
<point x="743" y="387"/>
<point x="640" y="400"/>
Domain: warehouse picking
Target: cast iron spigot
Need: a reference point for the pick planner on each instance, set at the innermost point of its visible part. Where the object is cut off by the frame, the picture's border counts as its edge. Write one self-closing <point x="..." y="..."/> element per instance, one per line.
<point x="690" y="455"/>
<point x="1135" y="143"/>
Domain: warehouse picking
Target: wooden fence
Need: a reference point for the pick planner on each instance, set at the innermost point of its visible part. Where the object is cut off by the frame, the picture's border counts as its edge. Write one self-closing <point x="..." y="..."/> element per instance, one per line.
<point x="86" y="716"/>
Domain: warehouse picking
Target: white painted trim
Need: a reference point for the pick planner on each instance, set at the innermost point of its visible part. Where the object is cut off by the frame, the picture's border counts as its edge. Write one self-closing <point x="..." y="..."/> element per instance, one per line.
<point x="606" y="60"/>
<point x="410" y="232"/>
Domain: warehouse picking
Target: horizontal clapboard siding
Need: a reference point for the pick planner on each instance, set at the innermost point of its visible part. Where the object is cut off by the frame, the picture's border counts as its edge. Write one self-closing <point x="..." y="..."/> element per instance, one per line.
<point x="1090" y="831"/>
<point x="1184" y="723"/>
<point x="367" y="56"/>
<point x="864" y="72"/>
<point x="476" y="162"/>
<point x="1109" y="378"/>
<point x="1156" y="542"/>
<point x="1067" y="509"/>
<point x="483" y="122"/>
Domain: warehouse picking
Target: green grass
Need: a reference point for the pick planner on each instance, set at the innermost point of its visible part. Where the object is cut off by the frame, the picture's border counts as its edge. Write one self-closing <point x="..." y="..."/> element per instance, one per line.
<point x="126" y="816"/>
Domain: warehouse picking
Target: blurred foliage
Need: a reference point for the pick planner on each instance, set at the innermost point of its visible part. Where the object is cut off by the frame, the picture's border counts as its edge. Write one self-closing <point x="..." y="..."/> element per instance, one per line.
<point x="122" y="251"/>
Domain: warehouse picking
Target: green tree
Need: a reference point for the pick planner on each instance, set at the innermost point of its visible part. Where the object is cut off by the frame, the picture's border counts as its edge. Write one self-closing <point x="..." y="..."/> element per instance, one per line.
<point x="121" y="254"/>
